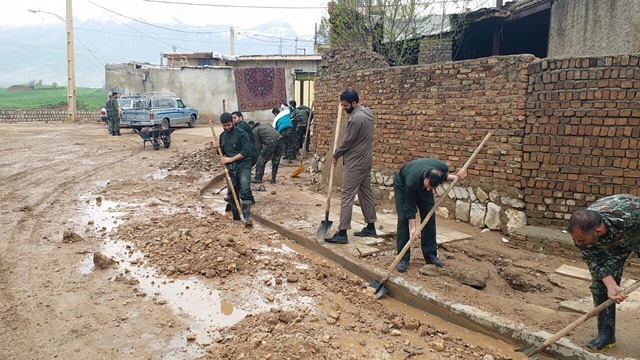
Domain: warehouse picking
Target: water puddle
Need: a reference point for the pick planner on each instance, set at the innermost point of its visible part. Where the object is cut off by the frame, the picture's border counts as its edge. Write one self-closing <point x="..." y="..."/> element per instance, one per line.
<point x="194" y="301"/>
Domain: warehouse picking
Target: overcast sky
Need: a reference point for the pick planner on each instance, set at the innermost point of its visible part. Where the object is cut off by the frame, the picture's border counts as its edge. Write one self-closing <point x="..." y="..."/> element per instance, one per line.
<point x="166" y="11"/>
<point x="302" y="15"/>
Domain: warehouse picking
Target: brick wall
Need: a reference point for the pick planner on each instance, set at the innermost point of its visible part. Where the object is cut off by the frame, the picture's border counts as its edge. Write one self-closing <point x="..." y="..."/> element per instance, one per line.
<point x="581" y="136"/>
<point x="566" y="130"/>
<point x="439" y="110"/>
<point x="14" y="116"/>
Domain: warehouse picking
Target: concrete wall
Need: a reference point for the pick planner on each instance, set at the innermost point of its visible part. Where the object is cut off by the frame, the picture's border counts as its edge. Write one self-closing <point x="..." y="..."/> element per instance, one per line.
<point x="202" y="88"/>
<point x="594" y="28"/>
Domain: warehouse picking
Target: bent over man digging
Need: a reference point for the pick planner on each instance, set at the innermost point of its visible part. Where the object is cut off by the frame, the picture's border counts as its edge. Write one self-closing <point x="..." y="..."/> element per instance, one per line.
<point x="237" y="150"/>
<point x="413" y="186"/>
<point x="356" y="149"/>
<point x="606" y="233"/>
<point x="270" y="144"/>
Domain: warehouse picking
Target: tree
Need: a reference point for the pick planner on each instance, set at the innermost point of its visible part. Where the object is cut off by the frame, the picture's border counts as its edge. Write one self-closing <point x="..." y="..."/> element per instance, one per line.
<point x="54" y="85"/>
<point x="32" y="84"/>
<point x="392" y="28"/>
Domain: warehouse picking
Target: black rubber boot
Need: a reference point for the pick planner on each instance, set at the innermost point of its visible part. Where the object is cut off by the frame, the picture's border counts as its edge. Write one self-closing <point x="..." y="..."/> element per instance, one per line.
<point x="257" y="179"/>
<point x="606" y="326"/>
<point x="246" y="211"/>
<point x="274" y="172"/>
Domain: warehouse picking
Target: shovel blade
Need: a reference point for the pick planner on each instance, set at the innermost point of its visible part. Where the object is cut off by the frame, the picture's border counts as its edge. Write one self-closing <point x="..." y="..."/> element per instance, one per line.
<point x="530" y="352"/>
<point x="380" y="289"/>
<point x="323" y="229"/>
<point x="298" y="171"/>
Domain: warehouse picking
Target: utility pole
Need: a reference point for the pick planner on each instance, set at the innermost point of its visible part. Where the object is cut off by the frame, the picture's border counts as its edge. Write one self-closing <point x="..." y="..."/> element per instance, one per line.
<point x="280" y="46"/>
<point x="295" y="46"/>
<point x="232" y="39"/>
<point x="71" y="67"/>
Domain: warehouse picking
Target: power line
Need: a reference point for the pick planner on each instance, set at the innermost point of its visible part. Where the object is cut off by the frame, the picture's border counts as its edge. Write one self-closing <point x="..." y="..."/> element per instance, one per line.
<point x="240" y="6"/>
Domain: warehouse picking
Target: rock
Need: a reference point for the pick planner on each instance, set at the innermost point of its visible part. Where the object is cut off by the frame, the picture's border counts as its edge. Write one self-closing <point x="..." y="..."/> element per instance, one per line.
<point x="492" y="219"/>
<point x="378" y="178"/>
<point x="472" y="195"/>
<point x="437" y="345"/>
<point x="183" y="268"/>
<point x="477" y="214"/>
<point x="292" y="278"/>
<point x="482" y="196"/>
<point x="442" y="212"/>
<point x="423" y="331"/>
<point x="514" y="203"/>
<point x="396" y="332"/>
<point x="463" y="209"/>
<point x="101" y="261"/>
<point x="191" y="337"/>
<point x="487" y="357"/>
<point x="461" y="193"/>
<point x="71" y="237"/>
<point x="334" y="315"/>
<point x="411" y="324"/>
<point x="388" y="180"/>
<point x="331" y="321"/>
<point x="515" y="220"/>
<point x="494" y="196"/>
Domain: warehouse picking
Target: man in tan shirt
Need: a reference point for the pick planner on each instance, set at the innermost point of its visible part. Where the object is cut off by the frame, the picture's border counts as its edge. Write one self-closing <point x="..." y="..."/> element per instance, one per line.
<point x="356" y="149"/>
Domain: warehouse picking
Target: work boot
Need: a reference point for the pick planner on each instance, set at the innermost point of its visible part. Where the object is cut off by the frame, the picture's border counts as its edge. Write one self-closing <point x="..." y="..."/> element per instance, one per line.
<point x="366" y="232"/>
<point x="257" y="179"/>
<point x="606" y="326"/>
<point x="402" y="266"/>
<point x="339" y="237"/>
<point x="118" y="133"/>
<point x="274" y="172"/>
<point x="246" y="211"/>
<point x="234" y="211"/>
<point x="433" y="259"/>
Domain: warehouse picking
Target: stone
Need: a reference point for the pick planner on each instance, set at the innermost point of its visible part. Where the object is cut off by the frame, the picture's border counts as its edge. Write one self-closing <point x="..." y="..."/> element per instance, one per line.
<point x="102" y="261"/>
<point x="492" y="219"/>
<point x="477" y="214"/>
<point x="437" y="345"/>
<point x="514" y="203"/>
<point x="378" y="177"/>
<point x="494" y="196"/>
<point x="411" y="324"/>
<point x="183" y="268"/>
<point x="442" y="212"/>
<point x="71" y="237"/>
<point x="462" y="210"/>
<point x="472" y="195"/>
<point x="461" y="193"/>
<point x="482" y="196"/>
<point x="515" y="220"/>
<point x="388" y="180"/>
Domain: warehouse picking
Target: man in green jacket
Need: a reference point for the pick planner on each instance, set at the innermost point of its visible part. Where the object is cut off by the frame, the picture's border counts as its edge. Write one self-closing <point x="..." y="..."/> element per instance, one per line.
<point x="239" y="122"/>
<point x="413" y="187"/>
<point x="606" y="233"/>
<point x="271" y="146"/>
<point x="236" y="149"/>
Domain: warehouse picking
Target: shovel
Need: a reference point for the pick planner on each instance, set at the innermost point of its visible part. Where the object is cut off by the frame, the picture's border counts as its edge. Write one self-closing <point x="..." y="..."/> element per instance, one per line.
<point x="379" y="285"/>
<point x="230" y="184"/>
<point x="325" y="225"/>
<point x="532" y="350"/>
<point x="299" y="170"/>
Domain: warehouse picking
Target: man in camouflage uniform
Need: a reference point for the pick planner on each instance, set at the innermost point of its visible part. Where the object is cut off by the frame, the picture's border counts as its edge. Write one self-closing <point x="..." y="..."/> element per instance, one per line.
<point x="236" y="148"/>
<point x="271" y="145"/>
<point x="238" y="121"/>
<point x="606" y="233"/>
<point x="299" y="118"/>
<point x="114" y="113"/>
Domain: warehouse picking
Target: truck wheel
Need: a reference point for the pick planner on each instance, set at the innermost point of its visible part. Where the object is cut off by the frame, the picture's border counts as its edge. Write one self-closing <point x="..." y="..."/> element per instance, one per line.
<point x="167" y="144"/>
<point x="165" y="124"/>
<point x="192" y="121"/>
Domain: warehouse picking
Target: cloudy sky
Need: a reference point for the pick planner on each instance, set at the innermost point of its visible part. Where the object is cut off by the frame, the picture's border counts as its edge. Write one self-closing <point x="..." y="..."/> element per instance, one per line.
<point x="301" y="14"/>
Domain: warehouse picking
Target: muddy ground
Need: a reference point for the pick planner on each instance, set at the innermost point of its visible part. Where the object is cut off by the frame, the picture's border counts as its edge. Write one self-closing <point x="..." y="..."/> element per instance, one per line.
<point x="187" y="282"/>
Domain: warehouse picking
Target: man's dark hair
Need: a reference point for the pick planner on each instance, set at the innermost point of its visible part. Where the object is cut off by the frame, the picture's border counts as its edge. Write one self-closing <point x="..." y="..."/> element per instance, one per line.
<point x="275" y="111"/>
<point x="114" y="93"/>
<point x="585" y="220"/>
<point x="292" y="103"/>
<point x="226" y="118"/>
<point x="434" y="176"/>
<point x="237" y="113"/>
<point x="350" y="96"/>
<point x="252" y="123"/>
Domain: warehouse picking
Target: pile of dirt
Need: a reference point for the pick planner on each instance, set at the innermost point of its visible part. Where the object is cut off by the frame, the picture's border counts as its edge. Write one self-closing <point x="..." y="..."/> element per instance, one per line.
<point x="18" y="88"/>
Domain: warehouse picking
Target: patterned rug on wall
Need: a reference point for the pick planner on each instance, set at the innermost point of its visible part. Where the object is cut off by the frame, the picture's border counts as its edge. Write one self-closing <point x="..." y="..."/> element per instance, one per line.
<point x="260" y="88"/>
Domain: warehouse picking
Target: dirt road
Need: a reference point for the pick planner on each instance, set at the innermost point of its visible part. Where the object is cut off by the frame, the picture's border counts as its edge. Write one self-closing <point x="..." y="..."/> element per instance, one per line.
<point x="188" y="282"/>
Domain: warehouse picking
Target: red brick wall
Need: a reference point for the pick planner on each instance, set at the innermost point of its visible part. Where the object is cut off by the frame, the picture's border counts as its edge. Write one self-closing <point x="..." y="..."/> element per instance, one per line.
<point x="581" y="136"/>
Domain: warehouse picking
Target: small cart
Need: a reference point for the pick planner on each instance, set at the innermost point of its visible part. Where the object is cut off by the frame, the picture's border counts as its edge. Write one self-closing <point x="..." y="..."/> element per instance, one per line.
<point x="154" y="136"/>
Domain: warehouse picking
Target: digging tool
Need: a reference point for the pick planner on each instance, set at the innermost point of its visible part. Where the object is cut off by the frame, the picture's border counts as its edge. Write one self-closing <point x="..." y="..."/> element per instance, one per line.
<point x="379" y="286"/>
<point x="325" y="225"/>
<point x="299" y="170"/>
<point x="229" y="182"/>
<point x="532" y="351"/>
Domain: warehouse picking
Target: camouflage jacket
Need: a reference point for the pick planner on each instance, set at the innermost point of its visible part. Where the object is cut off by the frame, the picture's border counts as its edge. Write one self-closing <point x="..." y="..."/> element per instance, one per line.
<point x="621" y="215"/>
<point x="299" y="116"/>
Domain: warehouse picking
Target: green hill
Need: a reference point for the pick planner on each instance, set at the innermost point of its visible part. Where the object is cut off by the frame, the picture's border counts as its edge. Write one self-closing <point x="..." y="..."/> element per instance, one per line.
<point x="47" y="97"/>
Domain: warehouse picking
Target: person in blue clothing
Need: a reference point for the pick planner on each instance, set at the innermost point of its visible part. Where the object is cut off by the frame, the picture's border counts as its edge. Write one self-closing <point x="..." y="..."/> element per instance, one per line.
<point x="282" y="123"/>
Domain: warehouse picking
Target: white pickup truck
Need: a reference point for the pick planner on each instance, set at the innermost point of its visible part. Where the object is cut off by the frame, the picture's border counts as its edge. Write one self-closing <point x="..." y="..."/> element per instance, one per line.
<point x="158" y="110"/>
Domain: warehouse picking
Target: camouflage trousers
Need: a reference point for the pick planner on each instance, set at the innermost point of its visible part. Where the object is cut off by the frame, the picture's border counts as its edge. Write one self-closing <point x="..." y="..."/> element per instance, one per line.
<point x="271" y="152"/>
<point x="114" y="124"/>
<point x="290" y="147"/>
<point x="616" y="264"/>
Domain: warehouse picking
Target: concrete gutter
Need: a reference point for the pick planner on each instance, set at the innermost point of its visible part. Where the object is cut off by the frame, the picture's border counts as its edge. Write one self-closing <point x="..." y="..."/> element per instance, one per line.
<point x="431" y="302"/>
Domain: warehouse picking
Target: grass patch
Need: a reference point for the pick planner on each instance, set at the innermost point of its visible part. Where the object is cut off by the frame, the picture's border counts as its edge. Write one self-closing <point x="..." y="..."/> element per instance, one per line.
<point x="51" y="98"/>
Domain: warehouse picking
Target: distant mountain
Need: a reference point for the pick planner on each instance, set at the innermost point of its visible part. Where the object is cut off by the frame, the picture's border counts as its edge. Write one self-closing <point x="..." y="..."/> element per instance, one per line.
<point x="39" y="52"/>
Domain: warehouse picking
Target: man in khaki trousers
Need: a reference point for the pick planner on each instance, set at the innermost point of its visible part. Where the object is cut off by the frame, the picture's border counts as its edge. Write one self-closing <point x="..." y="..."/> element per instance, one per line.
<point x="356" y="149"/>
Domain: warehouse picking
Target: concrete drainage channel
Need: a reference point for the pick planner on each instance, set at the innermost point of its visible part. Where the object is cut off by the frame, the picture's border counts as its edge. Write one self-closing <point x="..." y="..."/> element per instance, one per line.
<point x="430" y="302"/>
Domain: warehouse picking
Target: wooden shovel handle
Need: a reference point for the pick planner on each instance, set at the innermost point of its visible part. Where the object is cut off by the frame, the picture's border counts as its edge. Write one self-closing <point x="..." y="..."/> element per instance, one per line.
<point x="226" y="171"/>
<point x="433" y="210"/>
<point x="335" y="144"/>
<point x="595" y="311"/>
<point x="306" y="133"/>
